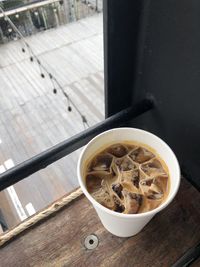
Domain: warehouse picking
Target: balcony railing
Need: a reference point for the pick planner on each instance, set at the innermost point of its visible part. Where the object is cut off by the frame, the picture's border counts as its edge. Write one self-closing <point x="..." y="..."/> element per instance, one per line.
<point x="66" y="147"/>
<point x="42" y="15"/>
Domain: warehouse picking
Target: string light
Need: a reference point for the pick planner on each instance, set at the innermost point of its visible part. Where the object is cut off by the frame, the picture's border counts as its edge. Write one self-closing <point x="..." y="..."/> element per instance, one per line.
<point x="84" y="121"/>
<point x="44" y="69"/>
<point x="39" y="64"/>
<point x="66" y="95"/>
<point x="52" y="81"/>
<point x="69" y="107"/>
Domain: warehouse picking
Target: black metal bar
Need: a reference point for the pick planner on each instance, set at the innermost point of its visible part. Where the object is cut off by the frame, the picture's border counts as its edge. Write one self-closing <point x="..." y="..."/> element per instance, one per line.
<point x="189" y="257"/>
<point x="62" y="149"/>
<point x="120" y="18"/>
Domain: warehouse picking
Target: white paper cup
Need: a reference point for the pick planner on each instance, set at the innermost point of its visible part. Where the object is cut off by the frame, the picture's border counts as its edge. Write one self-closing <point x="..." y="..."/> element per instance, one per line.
<point x="119" y="224"/>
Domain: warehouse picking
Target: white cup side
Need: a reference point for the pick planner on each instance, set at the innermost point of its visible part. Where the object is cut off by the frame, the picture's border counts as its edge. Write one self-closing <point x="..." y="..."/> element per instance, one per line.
<point x="125" y="225"/>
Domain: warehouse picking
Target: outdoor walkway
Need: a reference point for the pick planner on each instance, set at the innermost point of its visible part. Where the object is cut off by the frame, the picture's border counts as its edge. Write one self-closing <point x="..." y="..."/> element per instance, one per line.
<point x="33" y="119"/>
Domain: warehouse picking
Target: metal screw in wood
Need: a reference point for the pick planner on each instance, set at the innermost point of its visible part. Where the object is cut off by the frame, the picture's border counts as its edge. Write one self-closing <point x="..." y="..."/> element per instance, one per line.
<point x="91" y="242"/>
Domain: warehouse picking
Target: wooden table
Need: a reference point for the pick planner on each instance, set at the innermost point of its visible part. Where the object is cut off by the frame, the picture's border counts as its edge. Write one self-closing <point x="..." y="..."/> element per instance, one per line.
<point x="59" y="240"/>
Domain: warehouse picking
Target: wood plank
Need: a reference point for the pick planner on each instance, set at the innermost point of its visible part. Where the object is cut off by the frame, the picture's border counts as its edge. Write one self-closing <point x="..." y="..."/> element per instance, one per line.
<point x="10" y="216"/>
<point x="59" y="240"/>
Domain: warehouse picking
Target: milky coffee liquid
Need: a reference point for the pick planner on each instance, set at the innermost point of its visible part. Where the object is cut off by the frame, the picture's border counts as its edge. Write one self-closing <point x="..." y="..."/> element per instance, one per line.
<point x="128" y="178"/>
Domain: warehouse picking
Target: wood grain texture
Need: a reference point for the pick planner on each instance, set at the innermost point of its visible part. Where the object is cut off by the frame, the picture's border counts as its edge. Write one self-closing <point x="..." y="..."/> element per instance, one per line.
<point x="58" y="241"/>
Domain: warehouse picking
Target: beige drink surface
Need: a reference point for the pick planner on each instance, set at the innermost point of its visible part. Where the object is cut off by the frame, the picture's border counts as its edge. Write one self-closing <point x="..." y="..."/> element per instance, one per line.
<point x="127" y="177"/>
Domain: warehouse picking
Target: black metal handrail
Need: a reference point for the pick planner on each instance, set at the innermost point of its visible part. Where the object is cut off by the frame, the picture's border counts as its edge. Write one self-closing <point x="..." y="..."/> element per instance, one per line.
<point x="66" y="147"/>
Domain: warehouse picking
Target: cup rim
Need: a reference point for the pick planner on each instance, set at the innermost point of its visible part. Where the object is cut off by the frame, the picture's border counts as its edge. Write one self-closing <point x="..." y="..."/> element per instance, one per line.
<point x="122" y="215"/>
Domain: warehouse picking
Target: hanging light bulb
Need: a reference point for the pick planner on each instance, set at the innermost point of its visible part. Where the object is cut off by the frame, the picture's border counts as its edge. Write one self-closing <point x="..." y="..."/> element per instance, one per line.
<point x="54" y="90"/>
<point x="42" y="74"/>
<point x="23" y="50"/>
<point x="17" y="16"/>
<point x="54" y="10"/>
<point x="69" y="107"/>
<point x="9" y="30"/>
<point x="85" y="123"/>
<point x="83" y="119"/>
<point x="36" y="13"/>
<point x="31" y="59"/>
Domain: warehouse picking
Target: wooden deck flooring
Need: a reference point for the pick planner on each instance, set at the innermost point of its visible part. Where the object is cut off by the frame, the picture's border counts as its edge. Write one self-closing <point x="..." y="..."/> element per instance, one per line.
<point x="33" y="119"/>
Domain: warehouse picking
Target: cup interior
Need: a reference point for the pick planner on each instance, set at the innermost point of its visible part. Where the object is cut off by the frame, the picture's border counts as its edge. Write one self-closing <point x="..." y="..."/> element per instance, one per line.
<point x="138" y="135"/>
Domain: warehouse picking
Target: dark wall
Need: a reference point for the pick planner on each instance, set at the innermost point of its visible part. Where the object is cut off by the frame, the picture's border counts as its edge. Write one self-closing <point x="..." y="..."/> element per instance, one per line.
<point x="168" y="67"/>
<point x="121" y="28"/>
